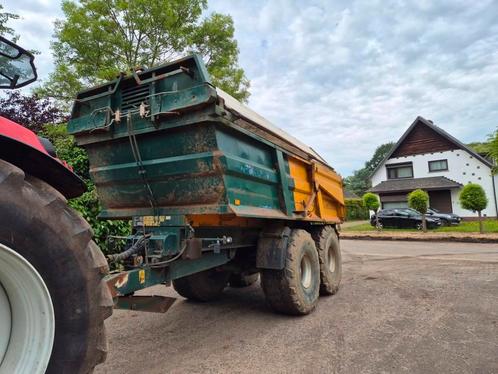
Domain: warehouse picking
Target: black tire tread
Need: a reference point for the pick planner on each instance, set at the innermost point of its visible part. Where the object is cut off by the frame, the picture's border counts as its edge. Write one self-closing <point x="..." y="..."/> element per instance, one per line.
<point x="242" y="280"/>
<point x="280" y="287"/>
<point x="321" y="237"/>
<point x="47" y="206"/>
<point x="203" y="286"/>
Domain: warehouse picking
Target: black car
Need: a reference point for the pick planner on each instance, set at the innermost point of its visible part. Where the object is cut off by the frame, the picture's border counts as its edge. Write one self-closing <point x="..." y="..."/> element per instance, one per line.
<point x="404" y="218"/>
<point x="447" y="219"/>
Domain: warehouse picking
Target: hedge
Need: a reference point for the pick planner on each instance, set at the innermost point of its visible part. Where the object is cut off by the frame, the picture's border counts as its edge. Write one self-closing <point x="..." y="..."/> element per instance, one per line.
<point x="355" y="210"/>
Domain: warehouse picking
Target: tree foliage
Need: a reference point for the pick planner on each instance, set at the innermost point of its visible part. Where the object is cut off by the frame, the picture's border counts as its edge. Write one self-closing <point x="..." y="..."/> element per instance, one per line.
<point x="493" y="149"/>
<point x="419" y="200"/>
<point x="371" y="201"/>
<point x="5" y="30"/>
<point x="359" y="182"/>
<point x="100" y="38"/>
<point x="30" y="111"/>
<point x="473" y="197"/>
<point x="480" y="147"/>
<point x="87" y="204"/>
<point x="355" y="209"/>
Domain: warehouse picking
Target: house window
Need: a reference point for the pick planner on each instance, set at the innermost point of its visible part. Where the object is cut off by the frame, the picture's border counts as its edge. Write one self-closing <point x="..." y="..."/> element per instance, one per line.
<point x="438" y="165"/>
<point x="397" y="171"/>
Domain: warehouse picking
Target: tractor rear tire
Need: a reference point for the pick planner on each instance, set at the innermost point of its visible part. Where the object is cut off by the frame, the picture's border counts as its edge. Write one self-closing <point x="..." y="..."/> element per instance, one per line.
<point x="39" y="230"/>
<point x="294" y="289"/>
<point x="329" y="253"/>
<point x="241" y="280"/>
<point x="207" y="285"/>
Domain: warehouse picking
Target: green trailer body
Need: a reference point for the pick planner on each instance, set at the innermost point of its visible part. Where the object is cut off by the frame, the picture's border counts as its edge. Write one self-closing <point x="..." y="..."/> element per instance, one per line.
<point x="201" y="175"/>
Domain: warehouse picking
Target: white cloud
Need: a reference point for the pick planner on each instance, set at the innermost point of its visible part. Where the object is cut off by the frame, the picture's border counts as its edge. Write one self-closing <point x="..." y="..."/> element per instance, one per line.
<point x="346" y="76"/>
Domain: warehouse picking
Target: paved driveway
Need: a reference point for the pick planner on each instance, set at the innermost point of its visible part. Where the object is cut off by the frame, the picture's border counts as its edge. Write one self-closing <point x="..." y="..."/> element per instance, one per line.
<point x="413" y="307"/>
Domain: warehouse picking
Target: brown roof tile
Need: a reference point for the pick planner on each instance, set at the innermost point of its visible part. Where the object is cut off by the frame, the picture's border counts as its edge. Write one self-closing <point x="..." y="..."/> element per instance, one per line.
<point x="410" y="184"/>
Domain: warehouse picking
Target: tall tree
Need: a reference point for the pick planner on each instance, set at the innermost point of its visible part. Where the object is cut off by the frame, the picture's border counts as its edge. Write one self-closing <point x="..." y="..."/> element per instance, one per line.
<point x="5" y="30"/>
<point x="30" y="111"/>
<point x="100" y="38"/>
<point x="359" y="182"/>
<point x="493" y="149"/>
<point x="480" y="147"/>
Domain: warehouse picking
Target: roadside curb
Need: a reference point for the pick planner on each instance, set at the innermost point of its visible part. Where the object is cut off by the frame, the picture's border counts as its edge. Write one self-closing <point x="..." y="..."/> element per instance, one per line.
<point x="485" y="238"/>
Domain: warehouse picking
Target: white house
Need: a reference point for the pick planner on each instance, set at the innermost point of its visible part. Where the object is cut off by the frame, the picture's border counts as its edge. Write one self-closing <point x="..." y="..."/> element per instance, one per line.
<point x="429" y="158"/>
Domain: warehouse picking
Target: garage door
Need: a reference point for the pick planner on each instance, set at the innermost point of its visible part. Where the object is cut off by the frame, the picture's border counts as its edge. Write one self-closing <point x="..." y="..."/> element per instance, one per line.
<point x="394" y="204"/>
<point x="441" y="200"/>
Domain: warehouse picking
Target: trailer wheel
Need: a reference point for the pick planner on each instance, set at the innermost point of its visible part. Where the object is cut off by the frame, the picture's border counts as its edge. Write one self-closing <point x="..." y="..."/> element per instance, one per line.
<point x="329" y="254"/>
<point x="241" y="280"/>
<point x="295" y="288"/>
<point x="53" y="301"/>
<point x="207" y="285"/>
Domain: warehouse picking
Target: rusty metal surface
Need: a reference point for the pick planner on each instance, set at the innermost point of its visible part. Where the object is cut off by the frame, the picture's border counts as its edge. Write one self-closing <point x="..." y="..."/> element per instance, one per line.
<point x="153" y="304"/>
<point x="193" y="250"/>
<point x="217" y="158"/>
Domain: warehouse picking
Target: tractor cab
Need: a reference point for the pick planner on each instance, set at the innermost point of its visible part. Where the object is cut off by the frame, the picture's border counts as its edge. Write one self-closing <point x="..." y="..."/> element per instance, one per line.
<point x="17" y="68"/>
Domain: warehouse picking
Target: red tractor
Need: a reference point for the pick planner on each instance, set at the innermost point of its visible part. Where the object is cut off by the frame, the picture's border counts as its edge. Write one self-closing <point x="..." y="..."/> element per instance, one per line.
<point x="53" y="300"/>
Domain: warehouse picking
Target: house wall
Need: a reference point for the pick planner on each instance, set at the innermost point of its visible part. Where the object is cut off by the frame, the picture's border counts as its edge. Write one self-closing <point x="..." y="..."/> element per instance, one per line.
<point x="423" y="139"/>
<point x="462" y="168"/>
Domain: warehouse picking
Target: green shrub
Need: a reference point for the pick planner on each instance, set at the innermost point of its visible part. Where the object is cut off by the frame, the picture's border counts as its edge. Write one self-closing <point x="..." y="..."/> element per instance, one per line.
<point x="418" y="200"/>
<point x="355" y="210"/>
<point x="371" y="201"/>
<point x="87" y="204"/>
<point x="473" y="197"/>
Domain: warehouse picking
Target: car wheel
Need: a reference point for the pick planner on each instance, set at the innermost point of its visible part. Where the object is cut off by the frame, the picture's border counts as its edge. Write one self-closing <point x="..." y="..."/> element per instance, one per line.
<point x="419" y="226"/>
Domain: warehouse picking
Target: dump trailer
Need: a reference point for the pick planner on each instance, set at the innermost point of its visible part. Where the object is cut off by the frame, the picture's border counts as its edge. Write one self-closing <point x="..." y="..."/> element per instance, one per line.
<point x="215" y="192"/>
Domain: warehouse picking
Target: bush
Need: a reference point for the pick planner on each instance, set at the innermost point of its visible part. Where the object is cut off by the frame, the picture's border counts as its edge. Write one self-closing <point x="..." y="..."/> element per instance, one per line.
<point x="87" y="204"/>
<point x="418" y="200"/>
<point x="473" y="197"/>
<point x="371" y="201"/>
<point x="355" y="210"/>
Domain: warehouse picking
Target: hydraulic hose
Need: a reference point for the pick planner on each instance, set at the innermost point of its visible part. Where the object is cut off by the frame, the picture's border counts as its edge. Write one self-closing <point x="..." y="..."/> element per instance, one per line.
<point x="135" y="248"/>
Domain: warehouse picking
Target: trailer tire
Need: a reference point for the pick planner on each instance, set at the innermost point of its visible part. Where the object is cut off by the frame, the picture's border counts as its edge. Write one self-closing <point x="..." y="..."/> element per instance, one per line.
<point x="207" y="285"/>
<point x="329" y="254"/>
<point x="39" y="228"/>
<point x="294" y="289"/>
<point x="241" y="280"/>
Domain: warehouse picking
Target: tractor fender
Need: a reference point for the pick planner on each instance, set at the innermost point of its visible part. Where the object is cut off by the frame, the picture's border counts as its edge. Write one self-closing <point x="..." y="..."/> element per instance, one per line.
<point x="22" y="148"/>
<point x="272" y="248"/>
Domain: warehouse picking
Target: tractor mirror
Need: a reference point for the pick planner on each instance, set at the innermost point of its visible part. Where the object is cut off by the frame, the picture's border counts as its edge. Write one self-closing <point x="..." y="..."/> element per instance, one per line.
<point x="17" y="68"/>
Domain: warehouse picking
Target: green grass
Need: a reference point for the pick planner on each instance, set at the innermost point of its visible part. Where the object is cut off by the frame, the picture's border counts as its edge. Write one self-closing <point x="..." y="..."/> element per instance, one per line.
<point x="490" y="225"/>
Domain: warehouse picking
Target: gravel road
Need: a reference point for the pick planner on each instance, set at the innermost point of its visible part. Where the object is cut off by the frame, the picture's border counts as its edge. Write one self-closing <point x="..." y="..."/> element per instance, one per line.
<point x="413" y="307"/>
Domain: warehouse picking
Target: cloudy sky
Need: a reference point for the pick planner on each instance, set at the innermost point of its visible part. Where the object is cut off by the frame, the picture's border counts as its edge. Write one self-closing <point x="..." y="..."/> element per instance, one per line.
<point x="346" y="76"/>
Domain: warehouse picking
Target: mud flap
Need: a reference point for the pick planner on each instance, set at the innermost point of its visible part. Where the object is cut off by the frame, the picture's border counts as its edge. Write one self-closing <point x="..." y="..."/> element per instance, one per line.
<point x="272" y="248"/>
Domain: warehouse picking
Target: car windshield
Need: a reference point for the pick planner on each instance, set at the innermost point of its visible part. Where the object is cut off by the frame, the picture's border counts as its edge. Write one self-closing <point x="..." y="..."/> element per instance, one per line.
<point x="16" y="65"/>
<point x="434" y="210"/>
